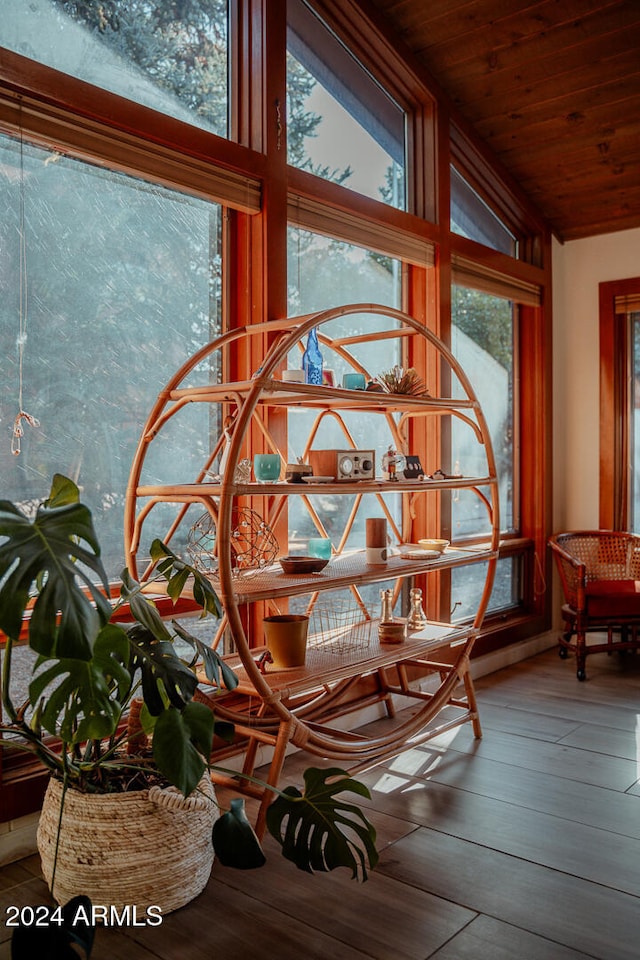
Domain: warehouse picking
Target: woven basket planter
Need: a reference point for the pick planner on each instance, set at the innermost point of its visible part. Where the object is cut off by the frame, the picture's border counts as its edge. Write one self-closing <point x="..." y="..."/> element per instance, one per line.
<point x="147" y="847"/>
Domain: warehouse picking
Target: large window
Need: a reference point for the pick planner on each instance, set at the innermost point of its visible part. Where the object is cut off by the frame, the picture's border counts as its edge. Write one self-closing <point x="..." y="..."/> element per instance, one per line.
<point x="342" y="125"/>
<point x="107" y="284"/>
<point x="472" y="217"/>
<point x="482" y="338"/>
<point x="324" y="273"/>
<point x="497" y="326"/>
<point x="168" y="56"/>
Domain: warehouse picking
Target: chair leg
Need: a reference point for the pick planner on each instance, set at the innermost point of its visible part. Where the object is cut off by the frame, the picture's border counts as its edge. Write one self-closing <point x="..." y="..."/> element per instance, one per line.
<point x="563" y="644"/>
<point x="564" y="641"/>
<point x="581" y="654"/>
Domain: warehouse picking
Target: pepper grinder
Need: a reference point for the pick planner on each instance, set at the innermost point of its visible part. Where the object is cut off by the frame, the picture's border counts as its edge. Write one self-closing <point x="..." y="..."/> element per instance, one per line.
<point x="390" y="630"/>
<point x="417" y="619"/>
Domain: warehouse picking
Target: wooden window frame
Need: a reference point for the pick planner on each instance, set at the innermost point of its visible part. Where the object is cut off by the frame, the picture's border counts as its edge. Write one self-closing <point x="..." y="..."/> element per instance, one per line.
<point x="101" y="126"/>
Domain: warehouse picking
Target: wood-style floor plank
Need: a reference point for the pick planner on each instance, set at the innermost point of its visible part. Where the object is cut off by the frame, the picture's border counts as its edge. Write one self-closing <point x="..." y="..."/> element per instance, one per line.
<point x="598" y="807"/>
<point x="525" y="844"/>
<point x="488" y="939"/>
<point x="521" y="721"/>
<point x="552" y="840"/>
<point x="226" y="922"/>
<point x="607" y="740"/>
<point x="392" y="920"/>
<point x="614" y="773"/>
<point x="575" y="913"/>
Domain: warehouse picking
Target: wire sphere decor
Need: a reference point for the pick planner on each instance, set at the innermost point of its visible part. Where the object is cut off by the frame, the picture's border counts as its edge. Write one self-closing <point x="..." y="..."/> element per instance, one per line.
<point x="253" y="545"/>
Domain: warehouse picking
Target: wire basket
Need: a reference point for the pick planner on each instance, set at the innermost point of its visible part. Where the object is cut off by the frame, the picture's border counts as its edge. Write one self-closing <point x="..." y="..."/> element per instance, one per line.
<point x="339" y="626"/>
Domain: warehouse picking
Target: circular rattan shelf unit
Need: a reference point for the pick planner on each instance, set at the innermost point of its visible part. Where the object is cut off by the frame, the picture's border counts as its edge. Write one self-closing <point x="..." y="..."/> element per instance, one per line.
<point x="302" y="703"/>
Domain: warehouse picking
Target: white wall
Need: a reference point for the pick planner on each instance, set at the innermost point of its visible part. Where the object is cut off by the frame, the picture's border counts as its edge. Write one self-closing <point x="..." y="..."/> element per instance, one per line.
<point x="578" y="267"/>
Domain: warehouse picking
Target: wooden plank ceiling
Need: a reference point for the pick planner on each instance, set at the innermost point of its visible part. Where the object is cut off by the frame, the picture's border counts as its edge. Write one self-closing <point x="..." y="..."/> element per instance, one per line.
<point x="552" y="86"/>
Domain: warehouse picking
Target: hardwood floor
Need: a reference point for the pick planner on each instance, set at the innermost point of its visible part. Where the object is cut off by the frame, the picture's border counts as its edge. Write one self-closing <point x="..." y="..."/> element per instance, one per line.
<point x="524" y="845"/>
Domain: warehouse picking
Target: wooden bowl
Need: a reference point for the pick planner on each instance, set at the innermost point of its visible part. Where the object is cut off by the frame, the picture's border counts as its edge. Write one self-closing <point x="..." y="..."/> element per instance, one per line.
<point x="303" y="564"/>
<point x="438" y="545"/>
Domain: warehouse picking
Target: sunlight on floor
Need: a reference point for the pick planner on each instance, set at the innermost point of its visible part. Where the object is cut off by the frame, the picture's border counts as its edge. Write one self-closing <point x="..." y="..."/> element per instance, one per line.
<point x="419" y="761"/>
<point x="413" y="763"/>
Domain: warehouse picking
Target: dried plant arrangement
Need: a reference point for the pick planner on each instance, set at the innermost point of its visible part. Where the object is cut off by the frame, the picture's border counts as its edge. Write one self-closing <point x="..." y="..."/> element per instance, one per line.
<point x="399" y="380"/>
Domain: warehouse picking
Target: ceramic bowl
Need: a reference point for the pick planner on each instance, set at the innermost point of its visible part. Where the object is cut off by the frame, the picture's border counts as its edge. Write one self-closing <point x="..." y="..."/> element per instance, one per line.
<point x="303" y="564"/>
<point x="438" y="545"/>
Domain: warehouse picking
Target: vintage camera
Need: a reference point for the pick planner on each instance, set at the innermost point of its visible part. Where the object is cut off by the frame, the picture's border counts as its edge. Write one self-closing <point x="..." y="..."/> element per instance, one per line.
<point x="344" y="464"/>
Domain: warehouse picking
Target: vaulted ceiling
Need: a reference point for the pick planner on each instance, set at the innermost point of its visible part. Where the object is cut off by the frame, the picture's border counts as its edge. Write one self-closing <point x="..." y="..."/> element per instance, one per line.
<point x="552" y="86"/>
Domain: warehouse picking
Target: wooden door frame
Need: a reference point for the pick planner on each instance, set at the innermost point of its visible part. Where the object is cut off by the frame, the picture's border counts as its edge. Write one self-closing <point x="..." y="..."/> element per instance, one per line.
<point x="613" y="505"/>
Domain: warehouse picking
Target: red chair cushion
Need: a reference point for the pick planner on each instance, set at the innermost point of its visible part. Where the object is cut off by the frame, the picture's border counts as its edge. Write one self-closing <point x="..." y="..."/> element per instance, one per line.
<point x="613" y="598"/>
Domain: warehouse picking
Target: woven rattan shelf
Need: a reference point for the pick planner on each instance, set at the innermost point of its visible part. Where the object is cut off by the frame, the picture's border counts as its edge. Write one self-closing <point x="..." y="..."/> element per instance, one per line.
<point x="276" y="393"/>
<point x="340" y="572"/>
<point x="189" y="491"/>
<point x="303" y="707"/>
<point x="322" y="662"/>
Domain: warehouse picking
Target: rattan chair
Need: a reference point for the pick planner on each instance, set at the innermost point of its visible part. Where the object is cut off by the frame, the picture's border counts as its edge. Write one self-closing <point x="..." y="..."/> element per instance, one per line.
<point x="600" y="576"/>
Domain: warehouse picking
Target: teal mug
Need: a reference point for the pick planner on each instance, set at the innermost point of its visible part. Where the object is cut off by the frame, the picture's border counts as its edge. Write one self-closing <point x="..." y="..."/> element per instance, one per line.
<point x="266" y="467"/>
<point x="354" y="381"/>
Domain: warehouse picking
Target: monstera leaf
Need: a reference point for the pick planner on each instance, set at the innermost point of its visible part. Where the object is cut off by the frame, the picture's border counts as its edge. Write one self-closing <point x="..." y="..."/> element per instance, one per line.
<point x="143" y="610"/>
<point x="51" y="557"/>
<point x="164" y="675"/>
<point x="216" y="670"/>
<point x="317" y="830"/>
<point x="177" y="573"/>
<point x="181" y="740"/>
<point x="84" y="697"/>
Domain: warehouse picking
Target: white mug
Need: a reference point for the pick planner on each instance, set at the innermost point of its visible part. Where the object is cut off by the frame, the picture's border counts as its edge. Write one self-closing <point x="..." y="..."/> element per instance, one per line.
<point x="377" y="556"/>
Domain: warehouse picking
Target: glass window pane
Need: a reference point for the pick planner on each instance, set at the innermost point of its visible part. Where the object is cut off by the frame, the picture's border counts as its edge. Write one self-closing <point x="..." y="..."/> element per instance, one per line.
<point x="634" y="421"/>
<point x="116" y="283"/>
<point x="472" y="218"/>
<point x="467" y="585"/>
<point x="341" y="125"/>
<point x="171" y="57"/>
<point x="482" y="338"/>
<point x="325" y="273"/>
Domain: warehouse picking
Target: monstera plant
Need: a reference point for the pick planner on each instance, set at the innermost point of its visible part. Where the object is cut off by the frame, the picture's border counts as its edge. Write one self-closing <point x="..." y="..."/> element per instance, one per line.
<point x="98" y="656"/>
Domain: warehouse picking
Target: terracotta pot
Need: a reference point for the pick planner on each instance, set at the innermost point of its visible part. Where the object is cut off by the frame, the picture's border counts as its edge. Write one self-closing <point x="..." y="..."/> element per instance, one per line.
<point x="286" y="636"/>
<point x="137" y="849"/>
